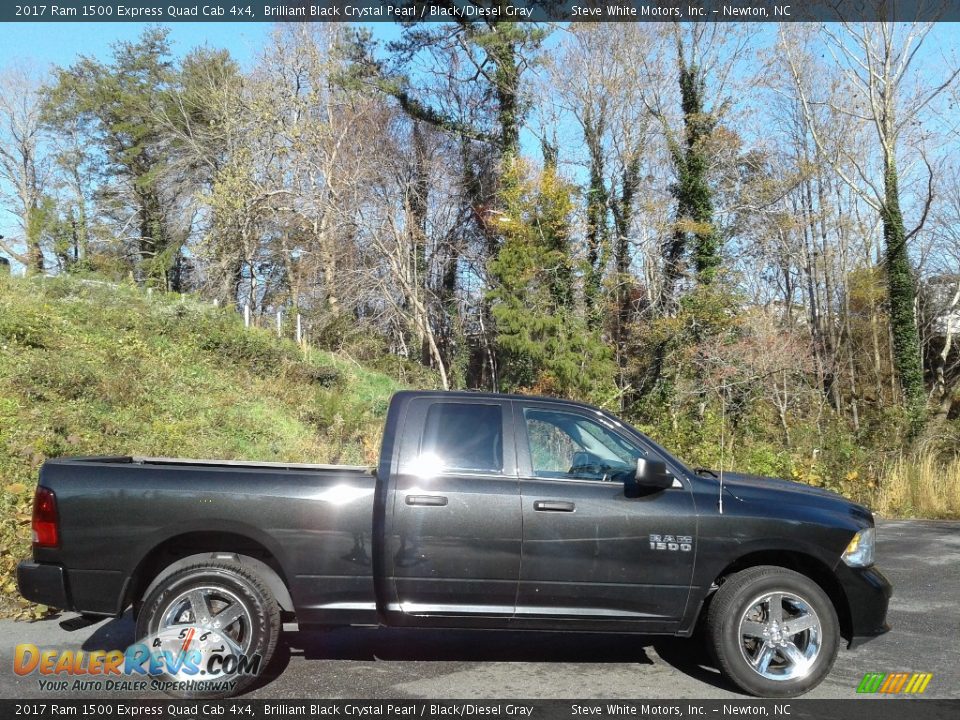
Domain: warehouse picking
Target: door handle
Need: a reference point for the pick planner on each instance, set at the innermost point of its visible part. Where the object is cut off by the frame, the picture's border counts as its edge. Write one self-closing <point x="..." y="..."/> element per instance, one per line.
<point x="426" y="500"/>
<point x="553" y="506"/>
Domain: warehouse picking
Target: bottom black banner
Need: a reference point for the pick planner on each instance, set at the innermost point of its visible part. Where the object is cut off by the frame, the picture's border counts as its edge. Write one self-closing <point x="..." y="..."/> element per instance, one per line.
<point x="872" y="708"/>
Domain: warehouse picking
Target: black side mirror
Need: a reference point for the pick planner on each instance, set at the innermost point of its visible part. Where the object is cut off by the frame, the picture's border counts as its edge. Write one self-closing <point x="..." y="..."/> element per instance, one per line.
<point x="650" y="476"/>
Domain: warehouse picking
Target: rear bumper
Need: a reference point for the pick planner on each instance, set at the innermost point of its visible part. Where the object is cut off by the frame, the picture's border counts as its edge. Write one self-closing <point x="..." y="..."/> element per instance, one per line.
<point x="868" y="596"/>
<point x="91" y="592"/>
<point x="44" y="584"/>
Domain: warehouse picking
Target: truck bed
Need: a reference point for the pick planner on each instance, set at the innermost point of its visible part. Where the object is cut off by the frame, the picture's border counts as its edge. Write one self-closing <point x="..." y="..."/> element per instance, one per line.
<point x="117" y="512"/>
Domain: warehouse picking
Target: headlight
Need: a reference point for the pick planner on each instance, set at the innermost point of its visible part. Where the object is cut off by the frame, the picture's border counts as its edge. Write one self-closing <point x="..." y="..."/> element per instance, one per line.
<point x="859" y="552"/>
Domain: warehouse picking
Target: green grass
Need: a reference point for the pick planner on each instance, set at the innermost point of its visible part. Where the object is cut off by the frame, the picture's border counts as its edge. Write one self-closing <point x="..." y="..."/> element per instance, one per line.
<point x="90" y="368"/>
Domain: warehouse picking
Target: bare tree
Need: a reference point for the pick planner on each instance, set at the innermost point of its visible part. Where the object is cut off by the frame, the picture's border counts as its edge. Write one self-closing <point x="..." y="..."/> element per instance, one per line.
<point x="881" y="87"/>
<point x="24" y="167"/>
<point x="941" y="303"/>
<point x="600" y="75"/>
<point x="319" y="123"/>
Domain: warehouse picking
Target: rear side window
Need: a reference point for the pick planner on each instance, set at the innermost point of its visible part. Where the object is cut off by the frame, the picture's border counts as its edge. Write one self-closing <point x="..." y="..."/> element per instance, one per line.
<point x="465" y="436"/>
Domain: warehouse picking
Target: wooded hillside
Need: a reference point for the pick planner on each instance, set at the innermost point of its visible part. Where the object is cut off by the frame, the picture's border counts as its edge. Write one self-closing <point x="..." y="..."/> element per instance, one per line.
<point x="745" y="239"/>
<point x="94" y="368"/>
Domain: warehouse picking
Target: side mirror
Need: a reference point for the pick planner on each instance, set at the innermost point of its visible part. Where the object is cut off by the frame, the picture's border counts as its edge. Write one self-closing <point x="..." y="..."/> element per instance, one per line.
<point x="650" y="476"/>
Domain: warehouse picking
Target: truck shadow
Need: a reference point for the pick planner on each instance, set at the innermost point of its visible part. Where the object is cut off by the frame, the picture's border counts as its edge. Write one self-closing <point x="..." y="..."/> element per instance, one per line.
<point x="111" y="635"/>
<point x="398" y="644"/>
<point x="687" y="656"/>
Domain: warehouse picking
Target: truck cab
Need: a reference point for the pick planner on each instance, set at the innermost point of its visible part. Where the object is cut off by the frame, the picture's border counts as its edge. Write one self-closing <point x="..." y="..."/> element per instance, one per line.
<point x="528" y="510"/>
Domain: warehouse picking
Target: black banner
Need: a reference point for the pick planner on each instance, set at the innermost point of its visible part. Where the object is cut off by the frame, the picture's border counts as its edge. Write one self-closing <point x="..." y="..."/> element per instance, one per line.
<point x="791" y="709"/>
<point x="481" y="11"/>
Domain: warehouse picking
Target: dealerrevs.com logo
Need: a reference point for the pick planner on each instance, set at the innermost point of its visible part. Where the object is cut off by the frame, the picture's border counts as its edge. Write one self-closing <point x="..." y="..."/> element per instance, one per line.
<point x="181" y="660"/>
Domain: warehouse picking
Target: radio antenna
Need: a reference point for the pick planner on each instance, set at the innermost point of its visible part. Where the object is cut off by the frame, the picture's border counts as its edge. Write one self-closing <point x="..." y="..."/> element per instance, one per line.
<point x="723" y="439"/>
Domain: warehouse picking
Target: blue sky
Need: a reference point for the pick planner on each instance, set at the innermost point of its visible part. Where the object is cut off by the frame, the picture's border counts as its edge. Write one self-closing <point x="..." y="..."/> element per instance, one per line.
<point x="43" y="45"/>
<point x="47" y="44"/>
<point x="61" y="43"/>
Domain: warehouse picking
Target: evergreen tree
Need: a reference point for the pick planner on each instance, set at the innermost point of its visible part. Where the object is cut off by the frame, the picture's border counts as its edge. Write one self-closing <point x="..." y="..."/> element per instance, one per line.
<point x="117" y="105"/>
<point x="902" y="293"/>
<point x="479" y="64"/>
<point x="692" y="190"/>
<point x="544" y="343"/>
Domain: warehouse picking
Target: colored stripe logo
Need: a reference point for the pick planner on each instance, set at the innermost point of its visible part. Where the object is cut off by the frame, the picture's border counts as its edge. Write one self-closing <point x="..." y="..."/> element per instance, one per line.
<point x="894" y="683"/>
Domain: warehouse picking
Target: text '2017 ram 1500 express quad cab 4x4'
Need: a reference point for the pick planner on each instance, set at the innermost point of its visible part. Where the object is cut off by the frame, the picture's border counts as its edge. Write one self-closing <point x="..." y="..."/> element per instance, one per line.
<point x="485" y="511"/>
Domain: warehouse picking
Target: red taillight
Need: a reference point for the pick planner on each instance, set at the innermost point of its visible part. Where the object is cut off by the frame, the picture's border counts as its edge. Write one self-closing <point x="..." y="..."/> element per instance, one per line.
<point x="45" y="530"/>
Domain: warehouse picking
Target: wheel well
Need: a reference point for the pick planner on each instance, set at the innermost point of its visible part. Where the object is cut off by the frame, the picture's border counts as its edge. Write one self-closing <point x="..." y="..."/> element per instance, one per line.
<point x="175" y="550"/>
<point x="805" y="565"/>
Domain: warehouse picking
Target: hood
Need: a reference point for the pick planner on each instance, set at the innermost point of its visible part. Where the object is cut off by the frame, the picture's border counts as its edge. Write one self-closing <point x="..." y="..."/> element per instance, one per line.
<point x="774" y="490"/>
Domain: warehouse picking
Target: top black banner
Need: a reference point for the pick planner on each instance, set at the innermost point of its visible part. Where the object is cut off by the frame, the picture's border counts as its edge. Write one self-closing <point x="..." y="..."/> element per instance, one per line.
<point x="489" y="11"/>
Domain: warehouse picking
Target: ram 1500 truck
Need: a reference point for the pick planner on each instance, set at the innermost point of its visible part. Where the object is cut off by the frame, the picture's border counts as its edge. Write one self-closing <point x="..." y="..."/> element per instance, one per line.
<point x="485" y="511"/>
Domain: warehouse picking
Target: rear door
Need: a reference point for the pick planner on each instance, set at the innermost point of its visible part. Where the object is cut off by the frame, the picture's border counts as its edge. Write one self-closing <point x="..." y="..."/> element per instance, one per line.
<point x="591" y="554"/>
<point x="453" y="538"/>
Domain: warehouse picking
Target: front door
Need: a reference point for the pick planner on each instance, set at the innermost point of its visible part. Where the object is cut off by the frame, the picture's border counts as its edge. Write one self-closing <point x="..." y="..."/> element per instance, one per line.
<point x="589" y="552"/>
<point x="453" y="544"/>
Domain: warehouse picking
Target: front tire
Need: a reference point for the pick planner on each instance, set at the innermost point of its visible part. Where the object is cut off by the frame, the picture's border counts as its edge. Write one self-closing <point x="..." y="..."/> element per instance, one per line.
<point x="219" y="597"/>
<point x="774" y="632"/>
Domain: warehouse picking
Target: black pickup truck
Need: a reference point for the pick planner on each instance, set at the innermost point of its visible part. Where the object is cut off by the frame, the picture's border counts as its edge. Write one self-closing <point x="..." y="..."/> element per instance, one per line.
<point x="485" y="511"/>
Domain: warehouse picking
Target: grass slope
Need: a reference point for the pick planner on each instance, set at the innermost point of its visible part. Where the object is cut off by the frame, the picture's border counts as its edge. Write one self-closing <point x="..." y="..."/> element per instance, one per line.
<point x="89" y="368"/>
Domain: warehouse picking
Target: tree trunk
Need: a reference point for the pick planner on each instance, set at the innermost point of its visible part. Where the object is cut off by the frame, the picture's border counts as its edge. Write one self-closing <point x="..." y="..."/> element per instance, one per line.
<point x="417" y="205"/>
<point x="34" y="234"/>
<point x="902" y="296"/>
<point x="596" y="214"/>
<point x="695" y="198"/>
<point x="624" y="280"/>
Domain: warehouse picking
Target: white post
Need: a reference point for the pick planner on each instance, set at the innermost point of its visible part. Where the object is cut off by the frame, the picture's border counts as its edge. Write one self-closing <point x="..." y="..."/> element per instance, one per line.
<point x="246" y="316"/>
<point x="299" y="330"/>
<point x="279" y="323"/>
<point x="216" y="302"/>
<point x="149" y="292"/>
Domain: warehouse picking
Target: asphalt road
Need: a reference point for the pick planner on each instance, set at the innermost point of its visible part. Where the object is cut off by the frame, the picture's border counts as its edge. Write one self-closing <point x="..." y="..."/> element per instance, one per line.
<point x="921" y="558"/>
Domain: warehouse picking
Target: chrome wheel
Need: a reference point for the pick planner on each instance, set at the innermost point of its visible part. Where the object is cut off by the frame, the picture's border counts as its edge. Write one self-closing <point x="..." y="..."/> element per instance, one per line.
<point x="212" y="608"/>
<point x="209" y="619"/>
<point x="780" y="636"/>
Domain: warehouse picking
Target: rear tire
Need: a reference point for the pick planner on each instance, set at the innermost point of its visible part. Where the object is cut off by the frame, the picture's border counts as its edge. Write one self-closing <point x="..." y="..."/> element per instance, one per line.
<point x="220" y="597"/>
<point x="774" y="632"/>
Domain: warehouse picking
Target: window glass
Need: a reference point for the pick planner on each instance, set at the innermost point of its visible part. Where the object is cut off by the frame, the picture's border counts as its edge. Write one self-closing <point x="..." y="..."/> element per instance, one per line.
<point x="464" y="436"/>
<point x="565" y="444"/>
